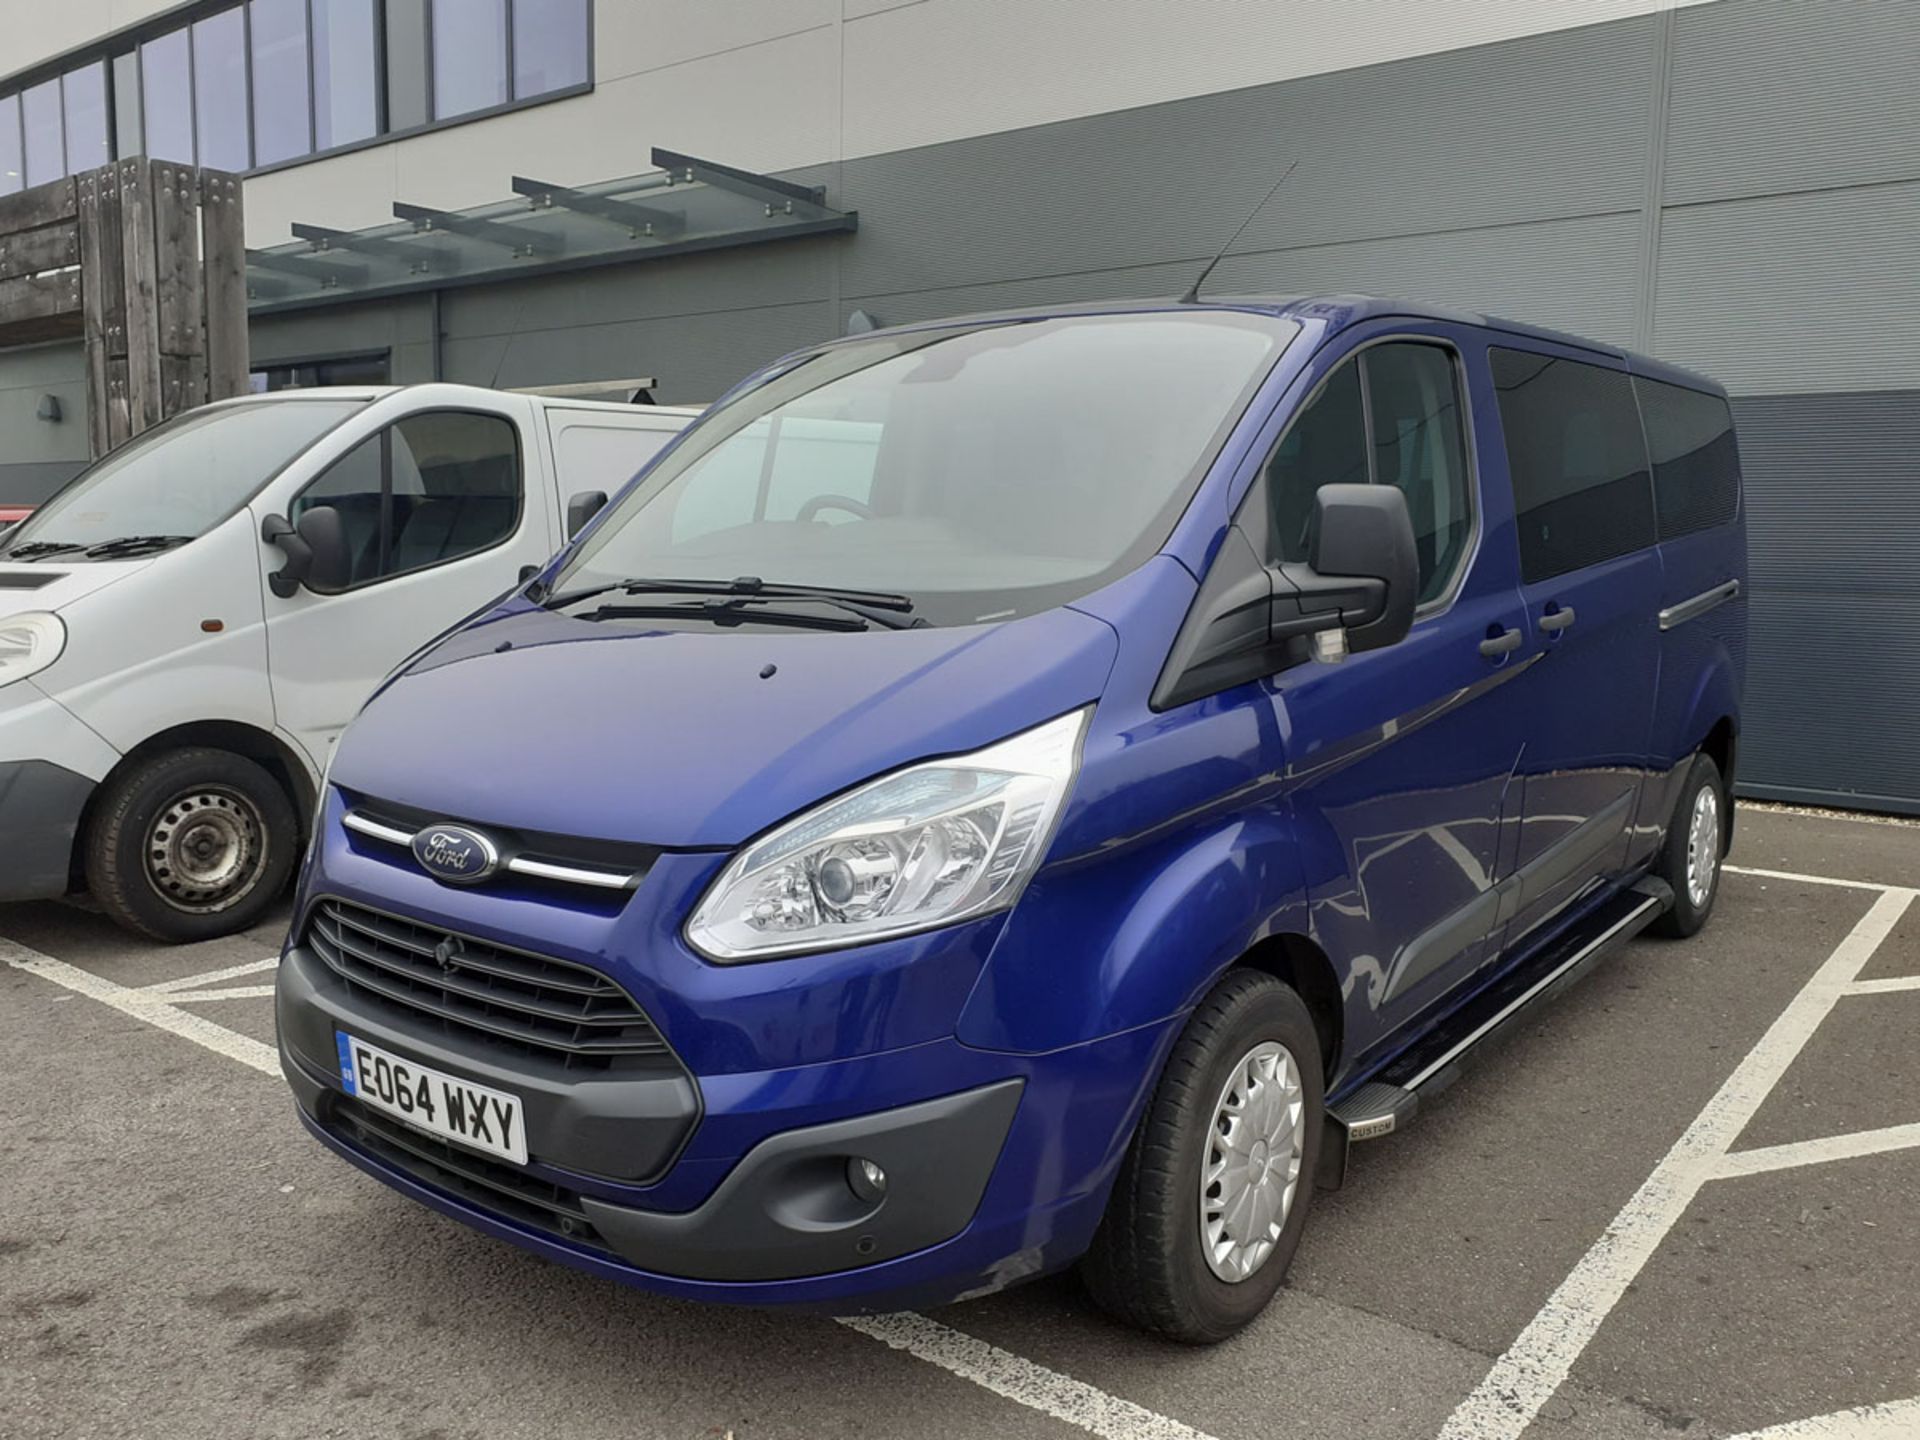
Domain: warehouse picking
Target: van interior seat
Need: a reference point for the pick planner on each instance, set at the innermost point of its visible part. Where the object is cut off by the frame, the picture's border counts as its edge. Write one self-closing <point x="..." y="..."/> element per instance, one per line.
<point x="466" y="506"/>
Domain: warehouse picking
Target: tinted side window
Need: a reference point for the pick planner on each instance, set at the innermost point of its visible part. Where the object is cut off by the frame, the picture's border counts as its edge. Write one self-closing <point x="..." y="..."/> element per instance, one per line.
<point x="1696" y="467"/>
<point x="1581" y="493"/>
<point x="427" y="490"/>
<point x="1325" y="445"/>
<point x="1414" y="404"/>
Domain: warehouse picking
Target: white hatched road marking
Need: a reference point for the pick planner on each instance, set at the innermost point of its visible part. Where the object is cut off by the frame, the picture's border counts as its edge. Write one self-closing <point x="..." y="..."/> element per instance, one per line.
<point x="1898" y="1420"/>
<point x="1889" y="986"/>
<point x="194" y="982"/>
<point x="194" y="997"/>
<point x="1817" y="1152"/>
<point x="1806" y="879"/>
<point x="1539" y="1360"/>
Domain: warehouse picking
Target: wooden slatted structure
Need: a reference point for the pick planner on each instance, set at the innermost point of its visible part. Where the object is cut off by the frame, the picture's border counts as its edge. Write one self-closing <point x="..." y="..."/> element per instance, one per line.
<point x="145" y="262"/>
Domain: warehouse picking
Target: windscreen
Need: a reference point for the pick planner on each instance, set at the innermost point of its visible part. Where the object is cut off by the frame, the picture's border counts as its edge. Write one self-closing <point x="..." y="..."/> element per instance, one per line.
<point x="178" y="479"/>
<point x="986" y="471"/>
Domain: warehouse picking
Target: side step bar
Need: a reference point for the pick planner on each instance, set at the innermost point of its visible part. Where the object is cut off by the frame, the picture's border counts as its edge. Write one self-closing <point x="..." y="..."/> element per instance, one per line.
<point x="1392" y="1098"/>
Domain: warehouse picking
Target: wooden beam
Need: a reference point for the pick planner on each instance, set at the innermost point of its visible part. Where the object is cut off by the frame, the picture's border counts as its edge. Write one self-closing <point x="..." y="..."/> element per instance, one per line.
<point x="40" y="297"/>
<point x="27" y="252"/>
<point x="93" y="309"/>
<point x="223" y="250"/>
<point x="42" y="205"/>
<point x="143" y="311"/>
<point x="176" y="275"/>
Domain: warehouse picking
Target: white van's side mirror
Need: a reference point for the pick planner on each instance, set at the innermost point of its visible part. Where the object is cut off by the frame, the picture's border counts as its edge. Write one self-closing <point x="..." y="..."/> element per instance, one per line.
<point x="316" y="551"/>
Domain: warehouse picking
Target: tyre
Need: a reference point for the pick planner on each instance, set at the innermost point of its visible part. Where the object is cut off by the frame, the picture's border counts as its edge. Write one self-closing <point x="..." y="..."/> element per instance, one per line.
<point x="1212" y="1196"/>
<point x="1690" y="856"/>
<point x="190" y="844"/>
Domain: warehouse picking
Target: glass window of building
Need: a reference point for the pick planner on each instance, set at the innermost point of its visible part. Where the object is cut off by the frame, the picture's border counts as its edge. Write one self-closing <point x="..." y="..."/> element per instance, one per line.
<point x="469" y="56"/>
<point x="166" y="83"/>
<point x="13" y="158"/>
<point x="277" y="35"/>
<point x="549" y="46"/>
<point x="345" y="74"/>
<point x="46" y="150"/>
<point x="220" y="91"/>
<point x="83" y="94"/>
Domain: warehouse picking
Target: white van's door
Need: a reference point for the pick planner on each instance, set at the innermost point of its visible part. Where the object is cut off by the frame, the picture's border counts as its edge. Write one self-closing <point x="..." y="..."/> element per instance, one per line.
<point x="601" y="449"/>
<point x="440" y="510"/>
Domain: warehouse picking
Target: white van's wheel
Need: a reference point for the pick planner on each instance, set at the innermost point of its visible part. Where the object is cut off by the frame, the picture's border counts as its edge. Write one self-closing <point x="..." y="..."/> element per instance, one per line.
<point x="1212" y="1196"/>
<point x="190" y="844"/>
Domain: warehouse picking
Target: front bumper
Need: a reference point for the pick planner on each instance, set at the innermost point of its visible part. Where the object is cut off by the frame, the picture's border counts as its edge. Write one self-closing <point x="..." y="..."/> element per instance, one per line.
<point x="49" y="766"/>
<point x="997" y="1165"/>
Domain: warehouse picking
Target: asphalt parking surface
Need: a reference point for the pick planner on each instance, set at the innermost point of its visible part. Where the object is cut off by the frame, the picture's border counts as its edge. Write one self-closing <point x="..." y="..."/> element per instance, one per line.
<point x="177" y="1257"/>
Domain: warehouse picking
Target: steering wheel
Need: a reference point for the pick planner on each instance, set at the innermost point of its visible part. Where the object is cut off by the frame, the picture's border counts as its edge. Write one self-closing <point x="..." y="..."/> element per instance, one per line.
<point x="834" y="502"/>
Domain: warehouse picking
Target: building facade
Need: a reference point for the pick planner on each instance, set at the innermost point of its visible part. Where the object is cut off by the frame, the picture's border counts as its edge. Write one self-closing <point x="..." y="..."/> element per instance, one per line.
<point x="1731" y="185"/>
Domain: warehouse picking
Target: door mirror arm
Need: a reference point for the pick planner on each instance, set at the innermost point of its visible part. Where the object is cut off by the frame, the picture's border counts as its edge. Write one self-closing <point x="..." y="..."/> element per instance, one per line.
<point x="286" y="581"/>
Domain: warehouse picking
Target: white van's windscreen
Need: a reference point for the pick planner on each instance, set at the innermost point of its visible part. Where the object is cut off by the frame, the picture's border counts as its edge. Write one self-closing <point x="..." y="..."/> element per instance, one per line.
<point x="986" y="471"/>
<point x="174" y="482"/>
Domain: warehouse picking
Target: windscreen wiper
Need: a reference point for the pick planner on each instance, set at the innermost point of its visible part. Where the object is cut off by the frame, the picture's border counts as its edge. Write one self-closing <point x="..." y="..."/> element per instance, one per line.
<point x="37" y="549"/>
<point x="734" y="611"/>
<point x="878" y="607"/>
<point x="127" y="546"/>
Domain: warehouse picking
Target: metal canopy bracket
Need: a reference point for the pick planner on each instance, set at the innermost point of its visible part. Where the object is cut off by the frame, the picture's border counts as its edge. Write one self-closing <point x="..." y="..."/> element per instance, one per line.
<point x="639" y="221"/>
<point x="691" y="205"/>
<point x="516" y="239"/>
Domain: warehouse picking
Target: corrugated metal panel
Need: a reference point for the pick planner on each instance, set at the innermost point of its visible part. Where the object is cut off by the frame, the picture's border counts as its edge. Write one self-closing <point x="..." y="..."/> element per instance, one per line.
<point x="1833" y="505"/>
<point x="1795" y="292"/>
<point x="1542" y="128"/>
<point x="1774" y="95"/>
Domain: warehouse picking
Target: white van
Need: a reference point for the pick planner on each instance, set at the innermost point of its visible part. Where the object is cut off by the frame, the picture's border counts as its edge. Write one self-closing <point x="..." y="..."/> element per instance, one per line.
<point x="186" y="627"/>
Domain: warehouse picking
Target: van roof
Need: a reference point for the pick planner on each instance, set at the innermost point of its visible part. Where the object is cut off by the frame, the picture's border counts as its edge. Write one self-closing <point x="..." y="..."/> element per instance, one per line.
<point x="453" y="392"/>
<point x="1338" y="311"/>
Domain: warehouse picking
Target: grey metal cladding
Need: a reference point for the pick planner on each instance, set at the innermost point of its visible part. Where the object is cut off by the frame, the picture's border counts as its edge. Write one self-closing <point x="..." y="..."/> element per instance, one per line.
<point x="1831" y="722"/>
<point x="1794" y="292"/>
<point x="1833" y="499"/>
<point x="1579" y="275"/>
<point x="1777" y="95"/>
<point x="1529" y="129"/>
<point x="1833" y="516"/>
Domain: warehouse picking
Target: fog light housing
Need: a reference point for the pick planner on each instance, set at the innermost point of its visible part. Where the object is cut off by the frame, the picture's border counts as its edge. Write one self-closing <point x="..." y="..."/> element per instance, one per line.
<point x="867" y="1180"/>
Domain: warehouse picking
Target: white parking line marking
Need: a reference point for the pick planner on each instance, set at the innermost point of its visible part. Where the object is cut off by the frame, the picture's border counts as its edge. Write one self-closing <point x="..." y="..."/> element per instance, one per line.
<point x="1005" y="1374"/>
<point x="193" y="982"/>
<point x="144" y="1006"/>
<point x="1538" y="1362"/>
<point x="1888" y="986"/>
<point x="1817" y="1152"/>
<point x="1021" y="1380"/>
<point x="194" y="997"/>
<point x="1807" y="879"/>
<point x="1896" y="1420"/>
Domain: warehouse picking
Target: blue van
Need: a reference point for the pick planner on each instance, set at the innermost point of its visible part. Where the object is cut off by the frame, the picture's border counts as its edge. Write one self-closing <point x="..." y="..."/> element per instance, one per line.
<point x="1025" y="790"/>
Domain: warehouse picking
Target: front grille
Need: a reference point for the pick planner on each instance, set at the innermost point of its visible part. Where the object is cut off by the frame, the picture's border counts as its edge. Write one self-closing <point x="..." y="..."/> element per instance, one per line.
<point x="476" y="989"/>
<point x="503" y="1189"/>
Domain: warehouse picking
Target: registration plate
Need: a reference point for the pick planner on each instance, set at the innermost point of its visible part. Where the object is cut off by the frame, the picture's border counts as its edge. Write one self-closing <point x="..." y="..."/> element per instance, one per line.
<point x="477" y="1116"/>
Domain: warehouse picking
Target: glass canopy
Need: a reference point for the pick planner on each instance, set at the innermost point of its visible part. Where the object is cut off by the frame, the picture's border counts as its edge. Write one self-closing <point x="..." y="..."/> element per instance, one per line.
<point x="686" y="206"/>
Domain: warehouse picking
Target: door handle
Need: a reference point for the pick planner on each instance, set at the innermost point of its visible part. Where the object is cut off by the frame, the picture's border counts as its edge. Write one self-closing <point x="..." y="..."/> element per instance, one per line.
<point x="1556" y="620"/>
<point x="1504" y="642"/>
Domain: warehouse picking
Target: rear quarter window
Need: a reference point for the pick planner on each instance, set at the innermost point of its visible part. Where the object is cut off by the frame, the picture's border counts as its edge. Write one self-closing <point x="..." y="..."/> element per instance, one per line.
<point x="1581" y="491"/>
<point x="1696" y="465"/>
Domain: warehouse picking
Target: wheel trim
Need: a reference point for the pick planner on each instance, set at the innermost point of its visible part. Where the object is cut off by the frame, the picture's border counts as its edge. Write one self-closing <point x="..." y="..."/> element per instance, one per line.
<point x="1250" y="1170"/>
<point x="207" y="848"/>
<point x="1703" y="846"/>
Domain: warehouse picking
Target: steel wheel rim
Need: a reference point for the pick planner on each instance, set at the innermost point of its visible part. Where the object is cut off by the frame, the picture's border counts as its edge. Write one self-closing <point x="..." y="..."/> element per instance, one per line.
<point x="1703" y="846"/>
<point x="206" y="849"/>
<point x="1250" y="1169"/>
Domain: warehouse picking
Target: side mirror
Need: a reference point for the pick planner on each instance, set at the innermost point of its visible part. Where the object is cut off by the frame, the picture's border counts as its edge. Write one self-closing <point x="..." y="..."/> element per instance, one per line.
<point x="316" y="551"/>
<point x="582" y="508"/>
<point x="1362" y="573"/>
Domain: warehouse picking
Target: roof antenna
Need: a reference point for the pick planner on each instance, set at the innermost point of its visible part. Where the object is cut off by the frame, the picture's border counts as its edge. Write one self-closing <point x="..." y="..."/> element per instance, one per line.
<point x="1192" y="297"/>
<point x="513" y="334"/>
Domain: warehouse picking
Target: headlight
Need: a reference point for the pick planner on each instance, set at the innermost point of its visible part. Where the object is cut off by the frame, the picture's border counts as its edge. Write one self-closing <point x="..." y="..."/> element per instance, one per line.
<point x="923" y="847"/>
<point x="29" y="643"/>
